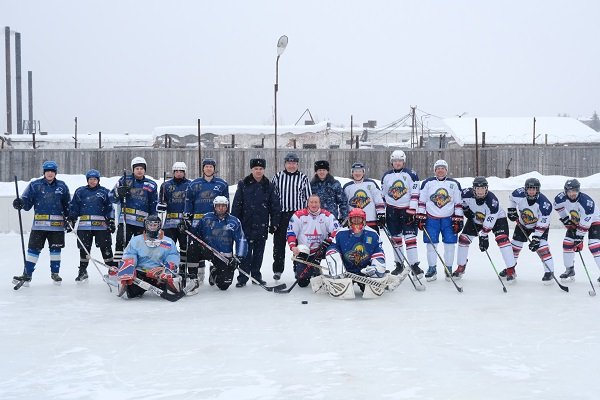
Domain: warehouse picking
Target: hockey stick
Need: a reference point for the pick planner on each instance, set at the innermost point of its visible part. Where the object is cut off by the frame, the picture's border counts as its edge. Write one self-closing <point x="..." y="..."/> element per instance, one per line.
<point x="300" y="276"/>
<point x="398" y="251"/>
<point x="563" y="287"/>
<point x="20" y="283"/>
<point x="223" y="258"/>
<point x="89" y="255"/>
<point x="593" y="291"/>
<point x="459" y="288"/>
<point x="496" y="271"/>
<point x="355" y="277"/>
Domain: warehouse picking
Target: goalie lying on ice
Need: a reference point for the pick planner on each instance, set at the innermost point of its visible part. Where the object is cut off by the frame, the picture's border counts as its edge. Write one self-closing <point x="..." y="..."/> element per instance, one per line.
<point x="355" y="256"/>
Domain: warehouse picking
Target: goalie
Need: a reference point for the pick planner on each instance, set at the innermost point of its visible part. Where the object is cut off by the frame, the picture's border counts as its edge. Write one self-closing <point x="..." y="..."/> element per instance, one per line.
<point x="152" y="257"/>
<point x="355" y="251"/>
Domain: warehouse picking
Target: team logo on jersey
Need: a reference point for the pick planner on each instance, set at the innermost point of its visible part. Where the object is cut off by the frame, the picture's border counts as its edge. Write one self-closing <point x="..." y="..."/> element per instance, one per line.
<point x="59" y="190"/>
<point x="357" y="254"/>
<point x="528" y="217"/>
<point x="479" y="217"/>
<point x="178" y="196"/>
<point x="440" y="198"/>
<point x="101" y="195"/>
<point x="397" y="190"/>
<point x="314" y="237"/>
<point x="574" y="215"/>
<point x="360" y="199"/>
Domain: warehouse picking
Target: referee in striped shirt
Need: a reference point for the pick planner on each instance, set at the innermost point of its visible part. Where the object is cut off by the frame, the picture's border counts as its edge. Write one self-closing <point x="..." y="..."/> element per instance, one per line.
<point x="293" y="189"/>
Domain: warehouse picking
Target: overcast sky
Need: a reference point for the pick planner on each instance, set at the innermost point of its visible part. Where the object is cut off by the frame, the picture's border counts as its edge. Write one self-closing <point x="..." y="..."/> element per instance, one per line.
<point x="122" y="65"/>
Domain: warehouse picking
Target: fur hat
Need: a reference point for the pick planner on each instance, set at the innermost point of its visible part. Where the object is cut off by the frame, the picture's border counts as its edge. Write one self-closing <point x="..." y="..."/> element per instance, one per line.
<point x="321" y="164"/>
<point x="258" y="162"/>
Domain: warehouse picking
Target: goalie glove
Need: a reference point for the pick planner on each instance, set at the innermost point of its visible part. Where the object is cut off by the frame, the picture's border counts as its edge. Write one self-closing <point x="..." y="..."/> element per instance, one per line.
<point x="375" y="270"/>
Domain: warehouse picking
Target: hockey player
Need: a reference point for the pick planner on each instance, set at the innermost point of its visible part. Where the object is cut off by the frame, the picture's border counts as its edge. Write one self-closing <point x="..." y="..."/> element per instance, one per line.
<point x="151" y="257"/>
<point x="356" y="249"/>
<point x="579" y="215"/>
<point x="138" y="198"/>
<point x="91" y="204"/>
<point x="199" y="198"/>
<point x="399" y="185"/>
<point x="292" y="188"/>
<point x="365" y="194"/>
<point x="531" y="210"/>
<point x="220" y="230"/>
<point x="315" y="228"/>
<point x="172" y="203"/>
<point x="49" y="198"/>
<point x="329" y="190"/>
<point x="484" y="215"/>
<point x="440" y="212"/>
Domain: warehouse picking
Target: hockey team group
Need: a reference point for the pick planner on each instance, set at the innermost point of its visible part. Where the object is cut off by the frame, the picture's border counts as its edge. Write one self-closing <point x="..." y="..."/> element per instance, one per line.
<point x="166" y="238"/>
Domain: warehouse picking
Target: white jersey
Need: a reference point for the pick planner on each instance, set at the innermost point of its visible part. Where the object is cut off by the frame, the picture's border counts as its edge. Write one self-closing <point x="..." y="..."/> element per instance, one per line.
<point x="398" y="186"/>
<point x="310" y="230"/>
<point x="532" y="216"/>
<point x="582" y="211"/>
<point x="486" y="213"/>
<point x="366" y="195"/>
<point x="440" y="199"/>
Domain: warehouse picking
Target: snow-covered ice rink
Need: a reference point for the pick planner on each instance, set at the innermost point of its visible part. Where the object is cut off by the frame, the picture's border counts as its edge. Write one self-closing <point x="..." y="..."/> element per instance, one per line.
<point x="82" y="342"/>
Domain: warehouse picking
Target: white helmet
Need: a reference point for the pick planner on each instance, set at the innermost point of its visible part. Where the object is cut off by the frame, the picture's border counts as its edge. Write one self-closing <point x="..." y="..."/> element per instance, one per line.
<point x="138" y="161"/>
<point x="179" y="166"/>
<point x="440" y="163"/>
<point x="397" y="155"/>
<point x="220" y="200"/>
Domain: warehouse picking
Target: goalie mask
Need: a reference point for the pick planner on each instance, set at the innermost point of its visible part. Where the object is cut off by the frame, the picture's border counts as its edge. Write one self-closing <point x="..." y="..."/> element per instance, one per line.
<point x="152" y="226"/>
<point x="357" y="219"/>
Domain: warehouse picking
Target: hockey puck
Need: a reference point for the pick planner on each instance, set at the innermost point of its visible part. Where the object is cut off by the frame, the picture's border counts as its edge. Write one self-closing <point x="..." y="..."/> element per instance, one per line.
<point x="304" y="302"/>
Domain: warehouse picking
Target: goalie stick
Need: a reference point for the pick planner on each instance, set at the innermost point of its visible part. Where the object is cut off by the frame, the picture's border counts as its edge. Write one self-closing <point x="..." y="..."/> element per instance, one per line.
<point x="20" y="283"/>
<point x="223" y="258"/>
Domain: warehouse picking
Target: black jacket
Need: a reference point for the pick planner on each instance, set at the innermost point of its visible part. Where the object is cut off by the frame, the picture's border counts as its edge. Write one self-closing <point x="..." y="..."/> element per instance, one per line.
<point x="254" y="203"/>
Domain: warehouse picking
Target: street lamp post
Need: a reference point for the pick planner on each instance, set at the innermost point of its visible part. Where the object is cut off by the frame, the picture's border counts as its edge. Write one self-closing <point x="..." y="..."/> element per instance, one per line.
<point x="423" y="116"/>
<point x="281" y="45"/>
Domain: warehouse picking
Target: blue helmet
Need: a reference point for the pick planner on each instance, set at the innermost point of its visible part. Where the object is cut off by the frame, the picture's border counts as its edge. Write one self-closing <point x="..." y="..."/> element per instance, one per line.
<point x="50" y="166"/>
<point x="92" y="173"/>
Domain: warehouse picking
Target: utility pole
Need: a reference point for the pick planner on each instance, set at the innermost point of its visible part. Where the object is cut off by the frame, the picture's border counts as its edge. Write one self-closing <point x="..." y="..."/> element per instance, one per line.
<point x="30" y="94"/>
<point x="476" y="150"/>
<point x="8" y="87"/>
<point x="533" y="131"/>
<point x="75" y="132"/>
<point x="413" y="127"/>
<point x="18" y="87"/>
<point x="199" y="151"/>
<point x="351" y="132"/>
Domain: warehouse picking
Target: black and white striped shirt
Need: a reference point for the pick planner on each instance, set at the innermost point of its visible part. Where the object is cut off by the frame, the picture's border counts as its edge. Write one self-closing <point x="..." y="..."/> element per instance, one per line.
<point x="293" y="190"/>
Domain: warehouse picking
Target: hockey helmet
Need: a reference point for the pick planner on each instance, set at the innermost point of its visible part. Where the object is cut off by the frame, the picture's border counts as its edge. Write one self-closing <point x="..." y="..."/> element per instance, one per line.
<point x="440" y="163"/>
<point x="356" y="166"/>
<point x="397" y="155"/>
<point x="179" y="166"/>
<point x="50" y="166"/>
<point x="291" y="157"/>
<point x="220" y="200"/>
<point x="209" y="161"/>
<point x="138" y="162"/>
<point x="572" y="184"/>
<point x="533" y="183"/>
<point x="92" y="173"/>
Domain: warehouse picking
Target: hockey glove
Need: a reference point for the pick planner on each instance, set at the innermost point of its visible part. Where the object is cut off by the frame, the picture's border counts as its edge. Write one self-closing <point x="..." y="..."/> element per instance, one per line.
<point x="568" y="223"/>
<point x="161" y="207"/>
<point x="421" y="220"/>
<point x="374" y="271"/>
<point x="186" y="223"/>
<point x="111" y="225"/>
<point x="410" y="216"/>
<point x="484" y="243"/>
<point x="457" y="223"/>
<point x="70" y="225"/>
<point x="122" y="192"/>
<point x="381" y="220"/>
<point x="534" y="245"/>
<point x="512" y="213"/>
<point x="18" y="204"/>
<point x="234" y="263"/>
<point x="578" y="244"/>
<point x="468" y="213"/>
<point x="272" y="229"/>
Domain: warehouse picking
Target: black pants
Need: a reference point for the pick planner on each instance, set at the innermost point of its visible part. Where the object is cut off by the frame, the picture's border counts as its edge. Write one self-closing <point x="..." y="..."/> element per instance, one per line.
<point x="304" y="272"/>
<point x="182" y="239"/>
<point x="131" y="232"/>
<point x="103" y="241"/>
<point x="253" y="260"/>
<point x="280" y="241"/>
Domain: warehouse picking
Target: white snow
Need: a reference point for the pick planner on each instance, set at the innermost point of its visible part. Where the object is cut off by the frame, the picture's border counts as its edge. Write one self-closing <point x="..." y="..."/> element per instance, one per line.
<point x="82" y="342"/>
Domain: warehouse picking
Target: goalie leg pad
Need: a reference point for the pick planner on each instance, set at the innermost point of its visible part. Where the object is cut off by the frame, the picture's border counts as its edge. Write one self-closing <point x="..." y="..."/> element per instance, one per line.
<point x="375" y="291"/>
<point x="317" y="285"/>
<point x="393" y="281"/>
<point x="339" y="288"/>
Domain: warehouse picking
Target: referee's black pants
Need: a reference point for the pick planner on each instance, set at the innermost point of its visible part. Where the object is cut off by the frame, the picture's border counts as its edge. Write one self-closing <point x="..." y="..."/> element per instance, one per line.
<point x="280" y="241"/>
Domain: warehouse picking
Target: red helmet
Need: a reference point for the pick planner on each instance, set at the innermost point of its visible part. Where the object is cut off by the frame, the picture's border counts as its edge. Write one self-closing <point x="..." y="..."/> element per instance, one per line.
<point x="356" y="226"/>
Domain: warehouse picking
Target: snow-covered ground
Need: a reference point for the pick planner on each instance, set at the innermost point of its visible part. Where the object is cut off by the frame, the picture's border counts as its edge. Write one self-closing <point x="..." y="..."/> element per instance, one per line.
<point x="82" y="342"/>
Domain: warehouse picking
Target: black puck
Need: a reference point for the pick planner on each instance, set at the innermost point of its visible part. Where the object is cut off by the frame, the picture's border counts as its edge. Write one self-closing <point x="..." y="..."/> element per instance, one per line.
<point x="304" y="302"/>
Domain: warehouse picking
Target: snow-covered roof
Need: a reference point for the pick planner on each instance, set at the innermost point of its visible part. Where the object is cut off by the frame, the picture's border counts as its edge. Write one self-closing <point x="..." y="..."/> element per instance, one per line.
<point x="222" y="130"/>
<point x="84" y="140"/>
<point x="520" y="130"/>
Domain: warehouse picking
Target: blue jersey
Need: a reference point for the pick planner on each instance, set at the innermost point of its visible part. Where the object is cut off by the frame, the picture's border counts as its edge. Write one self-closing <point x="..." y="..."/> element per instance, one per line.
<point x="138" y="255"/>
<point x="357" y="251"/>
<point x="50" y="202"/>
<point x="200" y="195"/>
<point x="172" y="193"/>
<point x="140" y="202"/>
<point x="221" y="233"/>
<point x="92" y="206"/>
